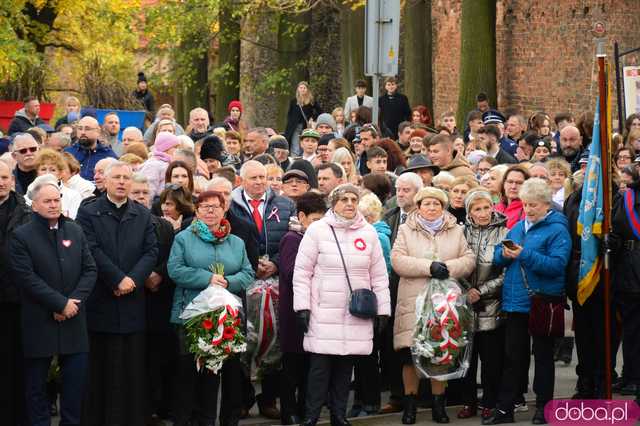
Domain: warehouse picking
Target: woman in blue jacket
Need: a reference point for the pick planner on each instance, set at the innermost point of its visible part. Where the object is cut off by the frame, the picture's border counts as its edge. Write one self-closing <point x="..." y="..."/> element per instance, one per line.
<point x="207" y="241"/>
<point x="540" y="255"/>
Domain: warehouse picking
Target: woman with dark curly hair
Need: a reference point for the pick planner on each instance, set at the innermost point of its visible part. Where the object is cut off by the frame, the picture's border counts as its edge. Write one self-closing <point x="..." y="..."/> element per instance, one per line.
<point x="395" y="156"/>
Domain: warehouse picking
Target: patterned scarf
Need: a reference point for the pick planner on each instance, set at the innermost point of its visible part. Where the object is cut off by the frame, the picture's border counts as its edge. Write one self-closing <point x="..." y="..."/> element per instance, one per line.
<point x="204" y="233"/>
<point x="431" y="226"/>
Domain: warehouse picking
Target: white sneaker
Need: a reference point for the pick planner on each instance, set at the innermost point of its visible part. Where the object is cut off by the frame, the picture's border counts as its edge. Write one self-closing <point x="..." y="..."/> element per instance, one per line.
<point x="520" y="407"/>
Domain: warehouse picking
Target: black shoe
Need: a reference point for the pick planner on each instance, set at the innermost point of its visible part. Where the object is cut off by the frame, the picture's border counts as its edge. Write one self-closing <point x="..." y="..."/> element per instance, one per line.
<point x="339" y="421"/>
<point x="290" y="420"/>
<point x="409" y="410"/>
<point x="439" y="410"/>
<point x="499" y="417"/>
<point x="538" y="417"/>
<point x="585" y="388"/>
<point x="309" y="422"/>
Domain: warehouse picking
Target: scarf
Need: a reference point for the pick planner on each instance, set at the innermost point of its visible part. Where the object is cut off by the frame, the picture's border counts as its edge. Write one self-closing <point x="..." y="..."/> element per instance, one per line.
<point x="204" y="233"/>
<point x="232" y="123"/>
<point x="431" y="226"/>
<point x="295" y="225"/>
<point x="343" y="221"/>
<point x="162" y="156"/>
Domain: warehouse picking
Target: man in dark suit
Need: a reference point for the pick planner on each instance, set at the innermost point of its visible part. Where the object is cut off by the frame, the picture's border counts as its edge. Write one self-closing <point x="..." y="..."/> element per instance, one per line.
<point x="13" y="213"/>
<point x="52" y="263"/>
<point x="123" y="242"/>
<point x="407" y="186"/>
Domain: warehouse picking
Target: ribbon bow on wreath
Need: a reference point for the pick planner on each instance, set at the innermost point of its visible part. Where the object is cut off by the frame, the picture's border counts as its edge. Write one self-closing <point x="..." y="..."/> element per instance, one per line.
<point x="448" y="322"/>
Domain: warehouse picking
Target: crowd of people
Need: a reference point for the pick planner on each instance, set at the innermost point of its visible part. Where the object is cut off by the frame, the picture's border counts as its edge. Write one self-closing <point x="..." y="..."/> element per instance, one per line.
<point x="109" y="233"/>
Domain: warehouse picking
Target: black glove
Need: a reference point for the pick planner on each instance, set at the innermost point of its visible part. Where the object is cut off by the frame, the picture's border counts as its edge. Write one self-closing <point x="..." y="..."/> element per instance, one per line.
<point x="439" y="270"/>
<point x="302" y="318"/>
<point x="381" y="323"/>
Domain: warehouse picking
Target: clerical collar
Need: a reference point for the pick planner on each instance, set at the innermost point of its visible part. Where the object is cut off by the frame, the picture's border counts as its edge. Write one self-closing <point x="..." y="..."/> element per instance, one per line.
<point x="116" y="203"/>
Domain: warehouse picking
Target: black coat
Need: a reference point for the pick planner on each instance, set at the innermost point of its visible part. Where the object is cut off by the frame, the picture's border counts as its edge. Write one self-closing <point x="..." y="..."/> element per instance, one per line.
<point x="159" y="302"/>
<point x="121" y="248"/>
<point x="503" y="157"/>
<point x="146" y="99"/>
<point x="626" y="263"/>
<point x="295" y="117"/>
<point x="393" y="111"/>
<point x="19" y="214"/>
<point x="52" y="266"/>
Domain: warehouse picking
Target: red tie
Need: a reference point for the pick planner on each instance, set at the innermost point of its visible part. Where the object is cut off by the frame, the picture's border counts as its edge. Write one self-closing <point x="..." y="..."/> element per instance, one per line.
<point x="257" y="218"/>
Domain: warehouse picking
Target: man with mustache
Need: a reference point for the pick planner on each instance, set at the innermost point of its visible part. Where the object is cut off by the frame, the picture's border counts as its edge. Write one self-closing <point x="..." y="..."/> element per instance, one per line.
<point x="88" y="150"/>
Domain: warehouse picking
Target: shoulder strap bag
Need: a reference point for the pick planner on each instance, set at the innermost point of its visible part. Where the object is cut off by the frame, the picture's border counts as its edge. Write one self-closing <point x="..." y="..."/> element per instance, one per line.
<point x="362" y="302"/>
<point x="546" y="315"/>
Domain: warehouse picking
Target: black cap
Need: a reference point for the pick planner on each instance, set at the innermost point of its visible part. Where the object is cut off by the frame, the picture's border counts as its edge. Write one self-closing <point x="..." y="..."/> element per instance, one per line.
<point x="295" y="173"/>
<point x="325" y="139"/>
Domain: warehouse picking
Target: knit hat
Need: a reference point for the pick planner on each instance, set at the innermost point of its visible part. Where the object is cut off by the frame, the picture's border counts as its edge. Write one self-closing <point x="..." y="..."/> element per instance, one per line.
<point x="278" y="142"/>
<point x="476" y="156"/>
<point x="234" y="104"/>
<point x="326" y="118"/>
<point x="325" y="139"/>
<point x="141" y="77"/>
<point x="542" y="143"/>
<point x="431" y="192"/>
<point x="475" y="195"/>
<point x="165" y="141"/>
<point x="308" y="169"/>
<point x="310" y="133"/>
<point x="212" y="148"/>
<point x="340" y="190"/>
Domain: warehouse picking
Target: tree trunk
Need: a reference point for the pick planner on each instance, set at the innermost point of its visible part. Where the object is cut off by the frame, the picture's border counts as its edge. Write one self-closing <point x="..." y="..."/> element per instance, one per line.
<point x="351" y="48"/>
<point x="418" y="84"/>
<point x="196" y="94"/>
<point x="477" y="56"/>
<point x="293" y="49"/>
<point x="226" y="79"/>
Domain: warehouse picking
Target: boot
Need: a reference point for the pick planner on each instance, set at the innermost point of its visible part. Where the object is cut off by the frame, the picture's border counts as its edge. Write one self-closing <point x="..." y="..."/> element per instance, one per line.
<point x="309" y="422"/>
<point x="499" y="417"/>
<point x="585" y="388"/>
<point x="439" y="410"/>
<point x="339" y="421"/>
<point x="538" y="417"/>
<point x="566" y="350"/>
<point x="409" y="412"/>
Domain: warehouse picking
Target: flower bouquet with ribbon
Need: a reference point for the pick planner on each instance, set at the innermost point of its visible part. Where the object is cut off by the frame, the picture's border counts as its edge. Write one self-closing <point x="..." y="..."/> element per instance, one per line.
<point x="444" y="331"/>
<point x="263" y="343"/>
<point x="213" y="325"/>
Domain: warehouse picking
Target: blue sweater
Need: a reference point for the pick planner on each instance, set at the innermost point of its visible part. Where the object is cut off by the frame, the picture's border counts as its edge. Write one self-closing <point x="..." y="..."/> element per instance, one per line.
<point x="189" y="264"/>
<point x="544" y="257"/>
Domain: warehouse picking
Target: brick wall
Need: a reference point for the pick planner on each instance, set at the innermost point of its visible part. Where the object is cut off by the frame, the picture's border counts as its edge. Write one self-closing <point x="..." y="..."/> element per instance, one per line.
<point x="545" y="51"/>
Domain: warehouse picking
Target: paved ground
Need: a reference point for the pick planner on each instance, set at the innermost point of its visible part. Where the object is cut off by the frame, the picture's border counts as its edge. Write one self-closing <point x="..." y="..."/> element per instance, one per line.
<point x="564" y="387"/>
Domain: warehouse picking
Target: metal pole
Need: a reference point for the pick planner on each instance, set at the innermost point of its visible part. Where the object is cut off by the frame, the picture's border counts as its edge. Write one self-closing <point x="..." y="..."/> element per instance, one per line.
<point x="606" y="196"/>
<point x="621" y="107"/>
<point x="375" y="80"/>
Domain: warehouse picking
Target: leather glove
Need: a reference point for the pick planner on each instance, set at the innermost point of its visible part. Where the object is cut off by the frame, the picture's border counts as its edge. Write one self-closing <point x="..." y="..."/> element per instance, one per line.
<point x="439" y="270"/>
<point x="381" y="323"/>
<point x="302" y="318"/>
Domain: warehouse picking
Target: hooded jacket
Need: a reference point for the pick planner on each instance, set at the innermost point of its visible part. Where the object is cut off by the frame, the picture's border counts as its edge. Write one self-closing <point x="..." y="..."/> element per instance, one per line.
<point x="21" y="122"/>
<point x="412" y="254"/>
<point x="544" y="257"/>
<point x="459" y="167"/>
<point x="486" y="277"/>
<point x="320" y="284"/>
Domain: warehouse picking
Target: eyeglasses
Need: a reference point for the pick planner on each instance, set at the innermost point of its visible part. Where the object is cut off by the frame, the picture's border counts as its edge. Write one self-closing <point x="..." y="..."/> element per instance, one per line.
<point x="624" y="157"/>
<point x="85" y="128"/>
<point x="23" y="151"/>
<point x="208" y="207"/>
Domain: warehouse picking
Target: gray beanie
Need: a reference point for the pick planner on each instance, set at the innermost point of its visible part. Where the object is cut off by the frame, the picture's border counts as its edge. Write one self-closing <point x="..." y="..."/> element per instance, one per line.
<point x="326" y="118"/>
<point x="340" y="190"/>
<point x="475" y="195"/>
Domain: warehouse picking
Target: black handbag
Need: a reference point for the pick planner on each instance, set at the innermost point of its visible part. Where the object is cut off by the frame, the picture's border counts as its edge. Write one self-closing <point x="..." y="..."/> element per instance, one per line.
<point x="362" y="302"/>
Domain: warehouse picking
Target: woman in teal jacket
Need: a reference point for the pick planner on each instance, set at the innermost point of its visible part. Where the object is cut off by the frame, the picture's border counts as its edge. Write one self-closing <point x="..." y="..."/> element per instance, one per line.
<point x="204" y="243"/>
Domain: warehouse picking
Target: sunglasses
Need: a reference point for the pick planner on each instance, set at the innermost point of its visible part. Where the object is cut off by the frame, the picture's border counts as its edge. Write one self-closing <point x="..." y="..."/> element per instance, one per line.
<point x="23" y="151"/>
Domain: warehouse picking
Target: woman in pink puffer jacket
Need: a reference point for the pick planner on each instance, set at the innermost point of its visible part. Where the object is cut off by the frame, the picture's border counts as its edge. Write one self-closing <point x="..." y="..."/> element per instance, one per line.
<point x="321" y="299"/>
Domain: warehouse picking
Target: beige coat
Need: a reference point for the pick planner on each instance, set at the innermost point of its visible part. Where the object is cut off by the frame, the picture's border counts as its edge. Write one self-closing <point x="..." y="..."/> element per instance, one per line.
<point x="411" y="258"/>
<point x="459" y="167"/>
